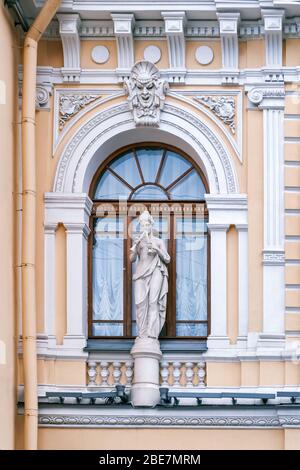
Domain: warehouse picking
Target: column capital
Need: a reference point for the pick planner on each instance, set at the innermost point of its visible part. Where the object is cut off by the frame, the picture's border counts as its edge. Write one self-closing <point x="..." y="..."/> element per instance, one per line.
<point x="241" y="227"/>
<point x="123" y="23"/>
<point x="228" y="23"/>
<point x="272" y="19"/>
<point x="218" y="227"/>
<point x="267" y="97"/>
<point x="77" y="228"/>
<point x="50" y="227"/>
<point x="273" y="257"/>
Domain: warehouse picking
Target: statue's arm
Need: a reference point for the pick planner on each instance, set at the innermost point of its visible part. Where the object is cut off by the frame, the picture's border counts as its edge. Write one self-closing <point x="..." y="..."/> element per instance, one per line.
<point x="162" y="252"/>
<point x="133" y="253"/>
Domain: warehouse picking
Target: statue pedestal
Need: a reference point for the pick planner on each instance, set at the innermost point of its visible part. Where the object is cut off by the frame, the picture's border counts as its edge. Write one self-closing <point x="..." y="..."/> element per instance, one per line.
<point x="145" y="389"/>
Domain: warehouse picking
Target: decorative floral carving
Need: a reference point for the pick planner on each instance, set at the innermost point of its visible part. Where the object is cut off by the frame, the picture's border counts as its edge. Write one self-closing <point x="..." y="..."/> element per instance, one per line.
<point x="165" y="420"/>
<point x="146" y="93"/>
<point x="222" y="106"/>
<point x="69" y="105"/>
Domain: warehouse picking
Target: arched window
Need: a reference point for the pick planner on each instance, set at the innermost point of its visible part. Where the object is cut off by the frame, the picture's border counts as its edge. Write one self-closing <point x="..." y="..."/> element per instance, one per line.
<point x="164" y="181"/>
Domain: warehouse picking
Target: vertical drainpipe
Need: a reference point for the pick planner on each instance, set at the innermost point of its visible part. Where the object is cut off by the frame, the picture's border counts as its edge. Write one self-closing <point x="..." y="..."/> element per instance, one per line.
<point x="29" y="223"/>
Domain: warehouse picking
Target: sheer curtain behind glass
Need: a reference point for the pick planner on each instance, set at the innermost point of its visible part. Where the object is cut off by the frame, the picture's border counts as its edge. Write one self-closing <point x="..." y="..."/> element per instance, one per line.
<point x="108" y="277"/>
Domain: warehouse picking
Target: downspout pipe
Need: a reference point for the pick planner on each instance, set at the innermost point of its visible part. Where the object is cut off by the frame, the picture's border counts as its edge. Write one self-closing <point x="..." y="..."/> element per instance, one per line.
<point x="29" y="314"/>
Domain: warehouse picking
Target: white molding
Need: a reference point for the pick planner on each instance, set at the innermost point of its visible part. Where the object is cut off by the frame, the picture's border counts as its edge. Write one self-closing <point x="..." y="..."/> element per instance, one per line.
<point x="69" y="33"/>
<point x="190" y="97"/>
<point x="106" y="131"/>
<point x="174" y="30"/>
<point x="245" y="77"/>
<point x="222" y="415"/>
<point x="123" y="31"/>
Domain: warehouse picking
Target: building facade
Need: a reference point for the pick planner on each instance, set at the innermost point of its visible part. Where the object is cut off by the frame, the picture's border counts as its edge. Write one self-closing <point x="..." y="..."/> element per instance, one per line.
<point x="191" y="111"/>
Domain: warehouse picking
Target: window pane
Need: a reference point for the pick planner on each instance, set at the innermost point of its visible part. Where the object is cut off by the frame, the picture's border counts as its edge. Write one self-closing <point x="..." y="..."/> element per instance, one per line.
<point x="191" y="269"/>
<point x="107" y="329"/>
<point x="110" y="187"/>
<point x="191" y="329"/>
<point x="108" y="269"/>
<point x="149" y="192"/>
<point x="190" y="187"/>
<point x="149" y="160"/>
<point x="126" y="167"/>
<point x="174" y="166"/>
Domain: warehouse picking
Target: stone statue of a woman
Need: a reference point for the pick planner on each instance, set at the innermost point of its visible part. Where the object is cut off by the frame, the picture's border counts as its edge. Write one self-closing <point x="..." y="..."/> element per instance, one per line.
<point x="150" y="279"/>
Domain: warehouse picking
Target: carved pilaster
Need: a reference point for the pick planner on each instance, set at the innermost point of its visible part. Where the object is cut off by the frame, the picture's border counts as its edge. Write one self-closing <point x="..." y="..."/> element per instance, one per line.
<point x="228" y="23"/>
<point x="174" y="30"/>
<point x="69" y="33"/>
<point x="123" y="30"/>
<point x="271" y="101"/>
<point x="273" y="37"/>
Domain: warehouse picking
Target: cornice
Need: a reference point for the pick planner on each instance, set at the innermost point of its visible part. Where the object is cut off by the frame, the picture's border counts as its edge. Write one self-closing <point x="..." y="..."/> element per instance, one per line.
<point x="178" y="417"/>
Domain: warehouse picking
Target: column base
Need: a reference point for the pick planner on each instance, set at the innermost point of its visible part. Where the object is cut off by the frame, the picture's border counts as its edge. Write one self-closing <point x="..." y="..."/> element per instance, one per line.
<point x="74" y="342"/>
<point x="242" y="342"/>
<point x="274" y="341"/>
<point x="146" y="354"/>
<point x="218" y="342"/>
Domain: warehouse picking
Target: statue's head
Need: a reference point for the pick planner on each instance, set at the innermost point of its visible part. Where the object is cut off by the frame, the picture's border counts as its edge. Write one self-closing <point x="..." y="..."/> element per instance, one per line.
<point x="145" y="76"/>
<point x="146" y="221"/>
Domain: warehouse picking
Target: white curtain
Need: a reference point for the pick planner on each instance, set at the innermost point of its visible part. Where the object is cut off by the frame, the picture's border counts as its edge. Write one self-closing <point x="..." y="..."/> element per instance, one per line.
<point x="191" y="284"/>
<point x="108" y="285"/>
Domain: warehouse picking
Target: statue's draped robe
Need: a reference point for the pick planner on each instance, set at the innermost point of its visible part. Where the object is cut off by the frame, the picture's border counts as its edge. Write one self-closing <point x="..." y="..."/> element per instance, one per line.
<point x="150" y="289"/>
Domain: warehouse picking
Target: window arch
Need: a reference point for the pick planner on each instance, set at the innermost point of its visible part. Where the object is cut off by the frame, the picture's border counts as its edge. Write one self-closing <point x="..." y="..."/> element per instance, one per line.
<point x="166" y="182"/>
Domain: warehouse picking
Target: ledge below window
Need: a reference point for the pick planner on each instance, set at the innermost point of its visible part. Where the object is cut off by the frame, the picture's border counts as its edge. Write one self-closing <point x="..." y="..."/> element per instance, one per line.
<point x="167" y="346"/>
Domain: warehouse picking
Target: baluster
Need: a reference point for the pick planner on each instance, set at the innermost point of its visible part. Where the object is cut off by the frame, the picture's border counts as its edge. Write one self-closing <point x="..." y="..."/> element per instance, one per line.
<point x="176" y="373"/>
<point x="116" y="372"/>
<point x="164" y="372"/>
<point x="201" y="374"/>
<point x="104" y="373"/>
<point x="92" y="373"/>
<point x="129" y="372"/>
<point x="189" y="374"/>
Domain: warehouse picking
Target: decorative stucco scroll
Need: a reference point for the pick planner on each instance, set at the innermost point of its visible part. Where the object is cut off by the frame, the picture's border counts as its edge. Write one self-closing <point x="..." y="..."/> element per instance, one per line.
<point x="146" y="93"/>
<point x="222" y="106"/>
<point x="71" y="104"/>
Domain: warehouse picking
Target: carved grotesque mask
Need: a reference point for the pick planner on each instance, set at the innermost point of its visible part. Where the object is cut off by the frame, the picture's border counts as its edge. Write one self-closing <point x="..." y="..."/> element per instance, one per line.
<point x="146" y="93"/>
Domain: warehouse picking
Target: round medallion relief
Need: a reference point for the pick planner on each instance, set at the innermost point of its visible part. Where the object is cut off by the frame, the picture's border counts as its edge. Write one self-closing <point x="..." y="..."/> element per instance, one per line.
<point x="100" y="54"/>
<point x="152" y="54"/>
<point x="204" y="55"/>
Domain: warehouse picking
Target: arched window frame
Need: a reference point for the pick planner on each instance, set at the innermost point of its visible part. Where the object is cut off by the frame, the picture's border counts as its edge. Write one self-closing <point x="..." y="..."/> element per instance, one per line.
<point x="171" y="310"/>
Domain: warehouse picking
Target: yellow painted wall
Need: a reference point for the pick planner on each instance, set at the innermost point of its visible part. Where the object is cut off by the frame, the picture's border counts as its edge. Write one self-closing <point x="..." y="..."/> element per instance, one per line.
<point x="192" y="439"/>
<point x="8" y="206"/>
<point x="50" y="53"/>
